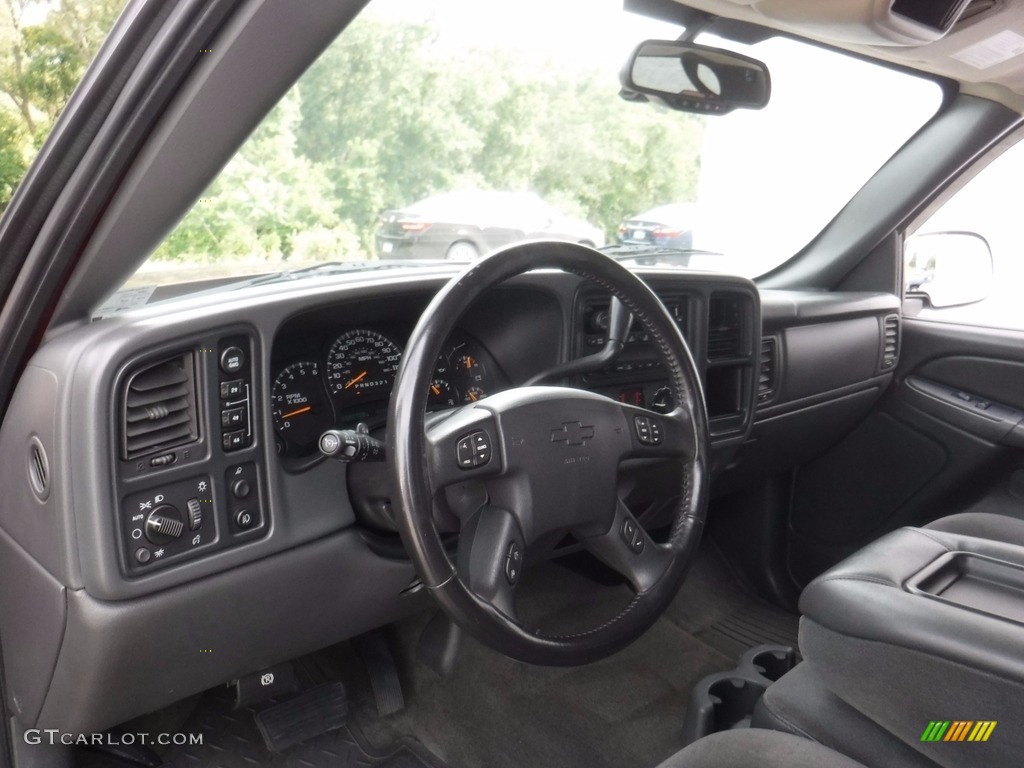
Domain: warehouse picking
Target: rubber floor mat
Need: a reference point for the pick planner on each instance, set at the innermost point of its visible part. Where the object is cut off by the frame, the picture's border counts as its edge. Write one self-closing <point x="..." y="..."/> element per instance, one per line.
<point x="231" y="739"/>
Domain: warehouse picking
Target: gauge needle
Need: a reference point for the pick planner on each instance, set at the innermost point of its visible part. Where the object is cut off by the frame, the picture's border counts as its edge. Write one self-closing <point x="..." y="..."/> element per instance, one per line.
<point x="469" y="362"/>
<point x="472" y="396"/>
<point x="356" y="379"/>
<point x="435" y="389"/>
<point x="305" y="409"/>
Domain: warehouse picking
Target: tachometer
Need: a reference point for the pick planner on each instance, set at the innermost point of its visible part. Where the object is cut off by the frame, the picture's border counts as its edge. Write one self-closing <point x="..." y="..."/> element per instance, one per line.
<point x="362" y="363"/>
<point x="300" y="408"/>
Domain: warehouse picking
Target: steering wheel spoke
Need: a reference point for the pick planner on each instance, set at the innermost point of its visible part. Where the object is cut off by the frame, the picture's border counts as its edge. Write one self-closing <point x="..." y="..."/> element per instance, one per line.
<point x="492" y="550"/>
<point x="627" y="549"/>
<point x="660" y="435"/>
<point x="461" y="445"/>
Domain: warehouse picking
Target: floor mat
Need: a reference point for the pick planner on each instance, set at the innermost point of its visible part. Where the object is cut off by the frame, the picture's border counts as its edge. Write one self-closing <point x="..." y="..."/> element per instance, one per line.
<point x="230" y="739"/>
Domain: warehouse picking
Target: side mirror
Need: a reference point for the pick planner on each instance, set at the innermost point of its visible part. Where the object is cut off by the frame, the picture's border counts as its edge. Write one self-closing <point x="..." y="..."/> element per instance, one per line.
<point x="695" y="78"/>
<point x="950" y="269"/>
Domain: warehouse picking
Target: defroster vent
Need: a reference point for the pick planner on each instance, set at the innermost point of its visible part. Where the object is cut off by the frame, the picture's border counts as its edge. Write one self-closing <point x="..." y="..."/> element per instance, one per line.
<point x="159" y="409"/>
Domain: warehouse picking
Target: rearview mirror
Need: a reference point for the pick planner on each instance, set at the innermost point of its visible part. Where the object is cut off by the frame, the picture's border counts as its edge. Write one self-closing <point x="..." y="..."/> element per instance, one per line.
<point x="695" y="78"/>
<point x="949" y="268"/>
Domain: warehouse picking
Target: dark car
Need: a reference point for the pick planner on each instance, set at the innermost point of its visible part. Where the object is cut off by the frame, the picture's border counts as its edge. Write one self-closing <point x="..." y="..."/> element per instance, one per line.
<point x="669" y="226"/>
<point x="460" y="226"/>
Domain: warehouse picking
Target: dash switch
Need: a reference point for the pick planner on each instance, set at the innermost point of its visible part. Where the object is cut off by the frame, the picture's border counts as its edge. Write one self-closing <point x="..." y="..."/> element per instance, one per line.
<point x="195" y="514"/>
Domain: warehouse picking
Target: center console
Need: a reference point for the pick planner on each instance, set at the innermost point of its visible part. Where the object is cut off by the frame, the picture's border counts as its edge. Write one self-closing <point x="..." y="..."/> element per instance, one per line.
<point x="923" y="631"/>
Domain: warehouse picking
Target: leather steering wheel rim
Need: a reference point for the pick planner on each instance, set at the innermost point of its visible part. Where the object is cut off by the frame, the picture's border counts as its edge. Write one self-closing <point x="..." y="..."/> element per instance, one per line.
<point x="416" y="461"/>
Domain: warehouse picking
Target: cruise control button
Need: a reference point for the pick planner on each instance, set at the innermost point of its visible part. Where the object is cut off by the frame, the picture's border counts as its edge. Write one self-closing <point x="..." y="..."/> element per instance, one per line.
<point x="513" y="562"/>
<point x="638" y="542"/>
<point x="628" y="530"/>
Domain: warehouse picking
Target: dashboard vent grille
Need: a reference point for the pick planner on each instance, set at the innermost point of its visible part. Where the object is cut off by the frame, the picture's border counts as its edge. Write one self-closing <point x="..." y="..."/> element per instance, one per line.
<point x="725" y="328"/>
<point x="890" y="341"/>
<point x="159" y="407"/>
<point x="766" y="380"/>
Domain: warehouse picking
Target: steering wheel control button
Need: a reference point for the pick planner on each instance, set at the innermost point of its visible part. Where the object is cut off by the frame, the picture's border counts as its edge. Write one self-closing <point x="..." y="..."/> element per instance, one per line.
<point x="231" y="389"/>
<point x="648" y="430"/>
<point x="195" y="514"/>
<point x="513" y="562"/>
<point x="232" y="360"/>
<point x="143" y="555"/>
<point x="473" y="450"/>
<point x="633" y="535"/>
<point x="330" y="443"/>
<point x="245" y="519"/>
<point x="628" y="530"/>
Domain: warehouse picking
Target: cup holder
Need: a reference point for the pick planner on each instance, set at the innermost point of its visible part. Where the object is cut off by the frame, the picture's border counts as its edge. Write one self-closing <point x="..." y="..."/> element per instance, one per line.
<point x="769" y="661"/>
<point x="726" y="700"/>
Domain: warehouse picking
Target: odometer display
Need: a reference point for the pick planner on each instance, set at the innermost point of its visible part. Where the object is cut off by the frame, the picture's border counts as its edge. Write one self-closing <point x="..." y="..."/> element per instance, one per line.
<point x="361" y="364"/>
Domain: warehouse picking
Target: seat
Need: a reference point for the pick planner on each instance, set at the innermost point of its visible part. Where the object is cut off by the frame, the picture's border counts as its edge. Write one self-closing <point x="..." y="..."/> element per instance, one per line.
<point x="983" y="525"/>
<point x="757" y="748"/>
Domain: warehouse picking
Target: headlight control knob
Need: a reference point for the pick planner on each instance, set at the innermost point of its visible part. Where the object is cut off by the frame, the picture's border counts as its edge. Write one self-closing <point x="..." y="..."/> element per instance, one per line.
<point x="164" y="524"/>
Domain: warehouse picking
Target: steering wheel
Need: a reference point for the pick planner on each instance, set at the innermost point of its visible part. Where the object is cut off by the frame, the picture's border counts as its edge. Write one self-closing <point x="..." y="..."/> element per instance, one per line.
<point x="548" y="459"/>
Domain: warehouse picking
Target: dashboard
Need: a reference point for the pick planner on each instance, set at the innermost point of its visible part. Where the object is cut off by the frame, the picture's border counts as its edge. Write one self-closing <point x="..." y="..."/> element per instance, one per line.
<point x="164" y="493"/>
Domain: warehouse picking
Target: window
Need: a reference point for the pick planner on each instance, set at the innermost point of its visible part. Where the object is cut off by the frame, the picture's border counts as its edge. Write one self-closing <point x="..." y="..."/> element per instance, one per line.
<point x="988" y="205"/>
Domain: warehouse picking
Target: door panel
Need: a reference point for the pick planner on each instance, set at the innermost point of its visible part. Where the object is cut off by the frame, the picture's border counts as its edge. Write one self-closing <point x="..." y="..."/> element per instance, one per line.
<point x="948" y="437"/>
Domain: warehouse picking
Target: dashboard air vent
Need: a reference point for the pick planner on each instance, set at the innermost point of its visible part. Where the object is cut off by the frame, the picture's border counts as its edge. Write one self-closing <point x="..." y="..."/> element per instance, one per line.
<point x="159" y="407"/>
<point x="766" y="380"/>
<point x="890" y="341"/>
<point x="725" y="328"/>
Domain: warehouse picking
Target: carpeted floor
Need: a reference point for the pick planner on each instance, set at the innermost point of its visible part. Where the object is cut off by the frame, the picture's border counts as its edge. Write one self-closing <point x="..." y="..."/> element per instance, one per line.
<point x="492" y="712"/>
<point x="624" y="711"/>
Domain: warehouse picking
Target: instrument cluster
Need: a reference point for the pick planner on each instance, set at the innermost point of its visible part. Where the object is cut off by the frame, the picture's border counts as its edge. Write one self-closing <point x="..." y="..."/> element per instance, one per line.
<point x="351" y="382"/>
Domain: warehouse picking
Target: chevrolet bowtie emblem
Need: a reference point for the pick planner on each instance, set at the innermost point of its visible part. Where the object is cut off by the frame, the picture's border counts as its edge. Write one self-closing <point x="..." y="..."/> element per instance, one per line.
<point x="572" y="433"/>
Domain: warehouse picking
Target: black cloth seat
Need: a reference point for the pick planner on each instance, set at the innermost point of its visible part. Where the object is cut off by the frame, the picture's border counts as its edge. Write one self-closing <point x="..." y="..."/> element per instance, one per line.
<point x="757" y="748"/>
<point x="983" y="525"/>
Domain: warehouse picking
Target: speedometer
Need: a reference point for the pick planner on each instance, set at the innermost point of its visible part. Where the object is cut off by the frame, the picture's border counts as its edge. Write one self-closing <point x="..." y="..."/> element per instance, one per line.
<point x="362" y="363"/>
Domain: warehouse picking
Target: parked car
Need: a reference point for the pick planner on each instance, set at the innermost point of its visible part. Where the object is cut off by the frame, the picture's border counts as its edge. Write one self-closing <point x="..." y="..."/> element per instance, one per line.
<point x="462" y="226"/>
<point x="669" y="226"/>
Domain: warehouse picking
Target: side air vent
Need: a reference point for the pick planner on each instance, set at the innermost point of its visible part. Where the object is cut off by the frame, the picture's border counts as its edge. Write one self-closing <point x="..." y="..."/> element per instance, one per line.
<point x="890" y="341"/>
<point x="725" y="328"/>
<point x="766" y="380"/>
<point x="159" y="407"/>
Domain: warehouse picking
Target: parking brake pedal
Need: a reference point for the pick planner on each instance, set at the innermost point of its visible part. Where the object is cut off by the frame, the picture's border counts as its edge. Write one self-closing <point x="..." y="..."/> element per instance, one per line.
<point x="373" y="649"/>
<point x="312" y="713"/>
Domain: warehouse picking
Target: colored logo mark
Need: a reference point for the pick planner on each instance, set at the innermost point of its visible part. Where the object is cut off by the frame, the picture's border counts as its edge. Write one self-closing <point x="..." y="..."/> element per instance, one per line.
<point x="958" y="730"/>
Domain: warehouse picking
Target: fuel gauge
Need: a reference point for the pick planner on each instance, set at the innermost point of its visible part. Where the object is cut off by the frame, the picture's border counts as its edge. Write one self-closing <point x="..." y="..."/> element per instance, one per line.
<point x="442" y="395"/>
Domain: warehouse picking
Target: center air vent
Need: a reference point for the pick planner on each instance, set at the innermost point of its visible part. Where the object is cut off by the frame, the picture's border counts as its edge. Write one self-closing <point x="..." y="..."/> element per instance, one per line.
<point x="766" y="379"/>
<point x="725" y="328"/>
<point x="890" y="341"/>
<point x="159" y="407"/>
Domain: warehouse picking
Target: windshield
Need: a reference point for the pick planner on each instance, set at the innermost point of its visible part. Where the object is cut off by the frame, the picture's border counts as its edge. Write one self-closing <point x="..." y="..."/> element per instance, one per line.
<point x="439" y="131"/>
